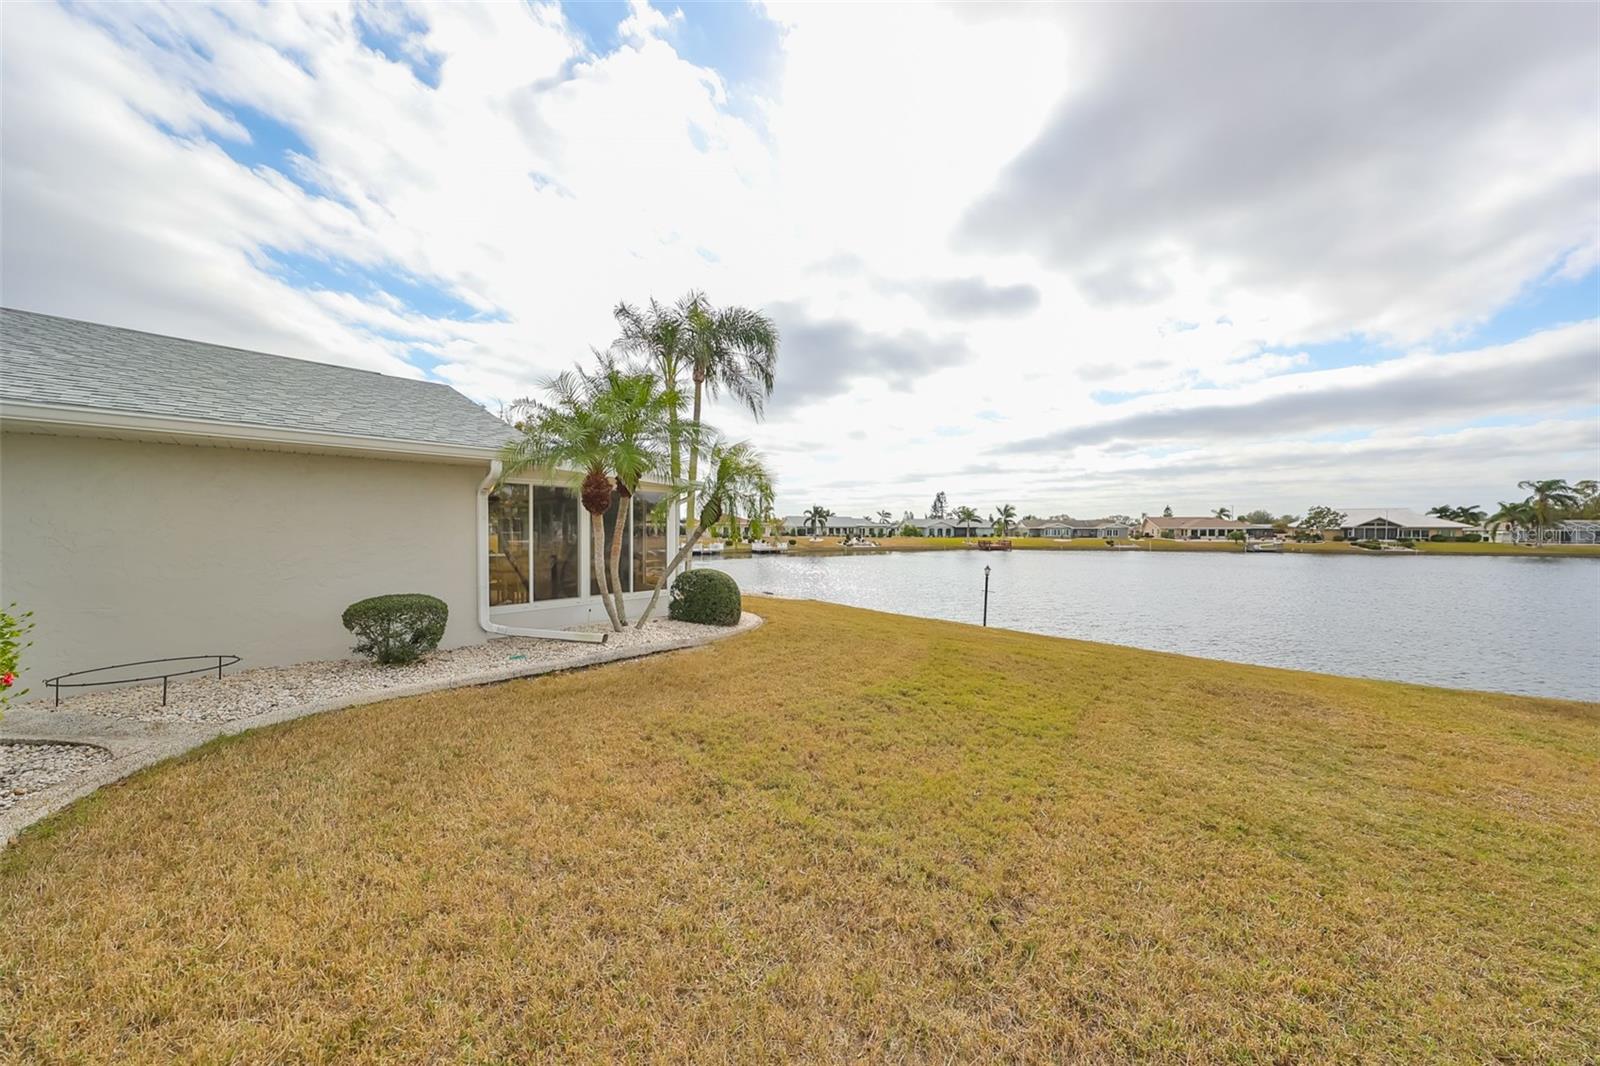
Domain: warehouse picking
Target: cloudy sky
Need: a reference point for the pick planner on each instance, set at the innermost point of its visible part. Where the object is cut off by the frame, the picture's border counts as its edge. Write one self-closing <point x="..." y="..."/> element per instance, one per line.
<point x="1076" y="259"/>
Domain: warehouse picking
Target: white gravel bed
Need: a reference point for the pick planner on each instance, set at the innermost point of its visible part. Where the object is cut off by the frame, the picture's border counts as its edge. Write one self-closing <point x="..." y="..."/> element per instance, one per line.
<point x="264" y="689"/>
<point x="30" y="768"/>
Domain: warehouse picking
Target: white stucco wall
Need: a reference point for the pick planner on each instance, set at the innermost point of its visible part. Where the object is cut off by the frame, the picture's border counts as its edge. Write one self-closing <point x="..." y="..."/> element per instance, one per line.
<point x="130" y="550"/>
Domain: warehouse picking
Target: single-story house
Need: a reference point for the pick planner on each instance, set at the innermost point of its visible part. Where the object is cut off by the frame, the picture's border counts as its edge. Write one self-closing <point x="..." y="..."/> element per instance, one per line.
<point x="1066" y="528"/>
<point x="1397" y="523"/>
<point x="1567" y="531"/>
<point x="949" y="527"/>
<point x="838" y="525"/>
<point x="1204" y="527"/>
<point x="162" y="497"/>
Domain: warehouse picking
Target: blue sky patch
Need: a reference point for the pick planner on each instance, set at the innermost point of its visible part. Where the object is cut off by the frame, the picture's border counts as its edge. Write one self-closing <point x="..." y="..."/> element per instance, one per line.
<point x="417" y="295"/>
<point x="424" y="66"/>
<point x="271" y="142"/>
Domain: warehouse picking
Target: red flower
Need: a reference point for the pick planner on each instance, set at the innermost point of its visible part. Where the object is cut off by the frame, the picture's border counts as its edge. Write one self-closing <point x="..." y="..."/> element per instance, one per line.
<point x="7" y="680"/>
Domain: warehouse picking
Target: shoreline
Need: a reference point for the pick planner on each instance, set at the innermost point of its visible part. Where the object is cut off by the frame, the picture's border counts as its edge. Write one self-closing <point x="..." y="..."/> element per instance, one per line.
<point x="832" y="546"/>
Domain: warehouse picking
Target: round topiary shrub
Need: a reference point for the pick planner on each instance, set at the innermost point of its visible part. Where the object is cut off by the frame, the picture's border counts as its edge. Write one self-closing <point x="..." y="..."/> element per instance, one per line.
<point x="399" y="628"/>
<point x="709" y="597"/>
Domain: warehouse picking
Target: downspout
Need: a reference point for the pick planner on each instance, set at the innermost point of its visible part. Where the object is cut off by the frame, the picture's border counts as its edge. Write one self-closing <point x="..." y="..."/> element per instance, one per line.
<point x="483" y="578"/>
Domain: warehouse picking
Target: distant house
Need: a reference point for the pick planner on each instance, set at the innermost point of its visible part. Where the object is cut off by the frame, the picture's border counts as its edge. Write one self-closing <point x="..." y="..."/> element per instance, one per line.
<point x="163" y="497"/>
<point x="839" y="525"/>
<point x="1203" y="527"/>
<point x="1063" y="527"/>
<point x="1397" y="523"/>
<point x="949" y="527"/>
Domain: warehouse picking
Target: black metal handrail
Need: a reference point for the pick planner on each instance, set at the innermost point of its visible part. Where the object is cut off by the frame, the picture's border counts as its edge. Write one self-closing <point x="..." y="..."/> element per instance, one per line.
<point x="60" y="682"/>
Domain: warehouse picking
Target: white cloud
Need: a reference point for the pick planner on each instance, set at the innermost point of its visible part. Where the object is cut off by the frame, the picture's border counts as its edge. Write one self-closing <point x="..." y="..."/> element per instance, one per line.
<point x="918" y="198"/>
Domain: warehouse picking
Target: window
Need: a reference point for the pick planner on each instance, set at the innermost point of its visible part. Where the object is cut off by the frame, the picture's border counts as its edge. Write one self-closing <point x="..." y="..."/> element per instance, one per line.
<point x="508" y="545"/>
<point x="625" y="564"/>
<point x="649" y="542"/>
<point x="555" y="543"/>
<point x="533" y="544"/>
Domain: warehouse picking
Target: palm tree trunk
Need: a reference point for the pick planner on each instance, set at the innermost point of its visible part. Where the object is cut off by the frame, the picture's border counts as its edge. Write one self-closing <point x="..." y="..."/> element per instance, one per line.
<point x="661" y="582"/>
<point x="597" y="538"/>
<point x="624" y="505"/>
<point x="691" y="516"/>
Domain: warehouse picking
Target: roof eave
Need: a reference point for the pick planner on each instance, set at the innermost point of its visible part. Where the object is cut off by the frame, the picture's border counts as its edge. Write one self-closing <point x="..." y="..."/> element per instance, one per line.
<point x="83" y="421"/>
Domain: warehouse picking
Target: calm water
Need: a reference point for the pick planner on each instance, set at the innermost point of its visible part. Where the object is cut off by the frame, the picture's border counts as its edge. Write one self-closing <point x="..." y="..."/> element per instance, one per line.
<point x="1505" y="624"/>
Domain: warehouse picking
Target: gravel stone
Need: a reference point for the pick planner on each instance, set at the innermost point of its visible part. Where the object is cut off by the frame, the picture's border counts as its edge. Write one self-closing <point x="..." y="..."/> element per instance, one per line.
<point x="29" y="768"/>
<point x="264" y="689"/>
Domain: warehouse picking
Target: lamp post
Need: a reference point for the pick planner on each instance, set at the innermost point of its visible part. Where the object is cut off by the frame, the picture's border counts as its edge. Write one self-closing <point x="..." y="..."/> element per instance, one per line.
<point x="986" y="595"/>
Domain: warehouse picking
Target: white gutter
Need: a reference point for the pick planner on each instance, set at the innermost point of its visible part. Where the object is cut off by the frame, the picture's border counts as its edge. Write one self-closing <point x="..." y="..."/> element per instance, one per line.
<point x="483" y="577"/>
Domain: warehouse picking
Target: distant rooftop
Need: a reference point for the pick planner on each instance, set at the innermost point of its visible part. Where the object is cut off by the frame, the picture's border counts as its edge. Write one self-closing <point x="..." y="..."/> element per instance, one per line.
<point x="1400" y="516"/>
<point x="66" y="363"/>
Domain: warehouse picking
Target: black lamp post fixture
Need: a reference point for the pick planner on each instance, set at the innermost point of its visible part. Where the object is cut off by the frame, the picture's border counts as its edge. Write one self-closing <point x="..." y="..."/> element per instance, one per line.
<point x="986" y="595"/>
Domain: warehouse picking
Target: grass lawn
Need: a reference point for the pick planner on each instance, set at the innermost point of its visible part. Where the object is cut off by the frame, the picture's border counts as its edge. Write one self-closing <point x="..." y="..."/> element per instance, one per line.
<point x="846" y="835"/>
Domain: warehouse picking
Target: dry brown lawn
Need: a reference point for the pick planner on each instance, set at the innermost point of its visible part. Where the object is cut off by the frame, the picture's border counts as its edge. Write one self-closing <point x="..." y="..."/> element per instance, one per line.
<point x="846" y="836"/>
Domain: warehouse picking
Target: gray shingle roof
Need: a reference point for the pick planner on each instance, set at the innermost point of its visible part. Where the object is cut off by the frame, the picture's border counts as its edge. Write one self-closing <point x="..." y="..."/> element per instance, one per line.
<point x="67" y="363"/>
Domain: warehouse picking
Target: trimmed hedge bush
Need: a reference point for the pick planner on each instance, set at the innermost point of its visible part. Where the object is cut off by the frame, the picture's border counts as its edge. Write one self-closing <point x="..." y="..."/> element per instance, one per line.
<point x="709" y="597"/>
<point x="398" y="628"/>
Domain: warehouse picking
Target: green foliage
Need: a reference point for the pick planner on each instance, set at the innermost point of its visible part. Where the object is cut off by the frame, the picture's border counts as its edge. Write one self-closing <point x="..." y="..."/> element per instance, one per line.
<point x="398" y="628"/>
<point x="14" y="629"/>
<point x="1322" y="518"/>
<point x="1236" y="535"/>
<point x="708" y="597"/>
<point x="1370" y="545"/>
<point x="909" y="530"/>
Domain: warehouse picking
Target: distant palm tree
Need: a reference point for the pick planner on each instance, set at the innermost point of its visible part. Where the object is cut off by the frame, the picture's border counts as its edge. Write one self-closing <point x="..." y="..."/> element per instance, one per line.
<point x="1515" y="515"/>
<point x="817" y="518"/>
<point x="1471" y="515"/>
<point x="1546" y="497"/>
<point x="736" y="479"/>
<point x="1223" y="512"/>
<point x="1003" y="518"/>
<point x="885" y="518"/>
<point x="964" y="518"/>
<point x="733" y="349"/>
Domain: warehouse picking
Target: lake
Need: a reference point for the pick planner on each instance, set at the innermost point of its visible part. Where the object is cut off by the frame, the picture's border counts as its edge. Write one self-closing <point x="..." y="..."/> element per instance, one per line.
<point x="1503" y="624"/>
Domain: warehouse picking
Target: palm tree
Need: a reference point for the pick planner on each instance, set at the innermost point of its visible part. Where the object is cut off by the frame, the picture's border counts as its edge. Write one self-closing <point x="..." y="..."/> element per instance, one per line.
<point x="1514" y="515"/>
<point x="1003" y="518"/>
<point x="638" y="413"/>
<point x="965" y="517"/>
<point x="568" y="432"/>
<point x="1470" y="515"/>
<point x="817" y="518"/>
<point x="886" y="518"/>
<point x="1223" y="512"/>
<point x="736" y="478"/>
<point x="733" y="349"/>
<point x="657" y="334"/>
<point x="1545" y="498"/>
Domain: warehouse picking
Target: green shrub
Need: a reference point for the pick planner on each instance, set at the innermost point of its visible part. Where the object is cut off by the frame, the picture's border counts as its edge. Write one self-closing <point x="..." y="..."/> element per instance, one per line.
<point x="1471" y="538"/>
<point x="1370" y="545"/>
<point x="399" y="628"/>
<point x="709" y="597"/>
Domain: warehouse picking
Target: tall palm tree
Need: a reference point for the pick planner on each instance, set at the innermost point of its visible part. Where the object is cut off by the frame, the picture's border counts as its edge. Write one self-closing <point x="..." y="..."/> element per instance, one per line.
<point x="568" y="432"/>
<point x="657" y="335"/>
<point x="1546" y="497"/>
<point x="817" y="518"/>
<point x="732" y="349"/>
<point x="1222" y="512"/>
<point x="1003" y="518"/>
<point x="965" y="517"/>
<point x="736" y="479"/>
